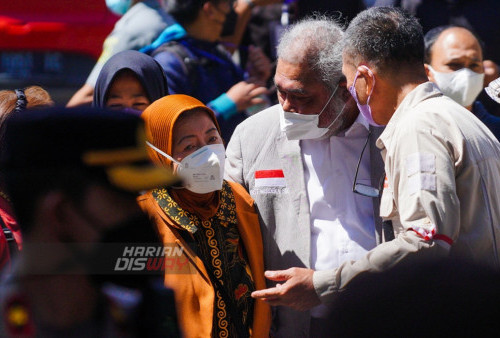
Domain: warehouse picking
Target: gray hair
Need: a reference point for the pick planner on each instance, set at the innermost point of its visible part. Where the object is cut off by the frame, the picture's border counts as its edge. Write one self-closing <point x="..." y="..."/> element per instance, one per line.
<point x="317" y="41"/>
<point x="387" y="37"/>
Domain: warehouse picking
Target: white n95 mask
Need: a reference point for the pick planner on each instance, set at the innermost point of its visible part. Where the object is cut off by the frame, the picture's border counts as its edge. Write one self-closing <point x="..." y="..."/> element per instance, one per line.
<point x="463" y="85"/>
<point x="202" y="171"/>
<point x="305" y="127"/>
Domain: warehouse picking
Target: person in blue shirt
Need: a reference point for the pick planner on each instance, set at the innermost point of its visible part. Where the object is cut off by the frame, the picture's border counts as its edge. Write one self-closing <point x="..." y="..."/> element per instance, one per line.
<point x="196" y="64"/>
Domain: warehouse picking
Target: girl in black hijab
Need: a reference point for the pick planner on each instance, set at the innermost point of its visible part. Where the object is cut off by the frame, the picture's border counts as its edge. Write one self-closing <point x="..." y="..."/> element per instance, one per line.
<point x="130" y="79"/>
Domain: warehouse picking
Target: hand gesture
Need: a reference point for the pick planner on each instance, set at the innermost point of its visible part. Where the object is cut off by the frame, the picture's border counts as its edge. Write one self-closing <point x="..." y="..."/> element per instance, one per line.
<point x="296" y="292"/>
<point x="259" y="65"/>
<point x="245" y="94"/>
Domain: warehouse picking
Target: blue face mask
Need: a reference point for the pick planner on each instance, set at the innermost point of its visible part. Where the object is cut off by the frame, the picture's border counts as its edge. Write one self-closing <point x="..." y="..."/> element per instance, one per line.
<point x="119" y="7"/>
<point x="364" y="108"/>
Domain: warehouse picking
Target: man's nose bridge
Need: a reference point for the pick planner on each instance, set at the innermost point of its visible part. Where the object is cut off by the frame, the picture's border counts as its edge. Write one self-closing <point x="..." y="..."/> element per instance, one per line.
<point x="287" y="106"/>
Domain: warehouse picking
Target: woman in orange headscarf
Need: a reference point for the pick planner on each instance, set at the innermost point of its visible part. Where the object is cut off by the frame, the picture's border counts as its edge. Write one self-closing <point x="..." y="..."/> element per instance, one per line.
<point x="212" y="220"/>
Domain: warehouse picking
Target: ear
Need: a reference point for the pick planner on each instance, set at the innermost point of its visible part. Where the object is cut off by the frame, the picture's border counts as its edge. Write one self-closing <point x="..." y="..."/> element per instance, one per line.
<point x="369" y="77"/>
<point x="209" y="9"/>
<point x="428" y="72"/>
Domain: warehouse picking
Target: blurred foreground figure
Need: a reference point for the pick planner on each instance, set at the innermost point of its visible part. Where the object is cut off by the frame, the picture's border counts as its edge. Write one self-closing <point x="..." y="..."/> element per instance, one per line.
<point x="14" y="101"/>
<point x="73" y="176"/>
<point x="449" y="296"/>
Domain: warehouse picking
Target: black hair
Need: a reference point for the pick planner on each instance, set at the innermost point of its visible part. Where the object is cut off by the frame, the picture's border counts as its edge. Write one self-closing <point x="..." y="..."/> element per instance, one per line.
<point x="385" y="36"/>
<point x="186" y="11"/>
<point x="432" y="35"/>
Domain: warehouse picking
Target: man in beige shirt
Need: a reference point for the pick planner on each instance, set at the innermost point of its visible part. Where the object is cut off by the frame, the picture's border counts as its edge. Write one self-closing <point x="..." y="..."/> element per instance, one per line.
<point x="442" y="188"/>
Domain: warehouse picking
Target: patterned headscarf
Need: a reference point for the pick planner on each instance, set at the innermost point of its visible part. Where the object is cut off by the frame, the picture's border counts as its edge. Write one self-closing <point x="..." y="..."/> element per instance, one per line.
<point x="160" y="118"/>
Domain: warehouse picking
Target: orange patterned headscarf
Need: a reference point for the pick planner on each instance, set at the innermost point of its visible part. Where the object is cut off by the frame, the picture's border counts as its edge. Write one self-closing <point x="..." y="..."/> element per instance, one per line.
<point x="160" y="118"/>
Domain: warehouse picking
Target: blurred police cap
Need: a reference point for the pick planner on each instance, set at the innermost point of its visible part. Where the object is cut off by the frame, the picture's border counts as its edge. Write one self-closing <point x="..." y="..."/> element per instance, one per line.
<point x="90" y="138"/>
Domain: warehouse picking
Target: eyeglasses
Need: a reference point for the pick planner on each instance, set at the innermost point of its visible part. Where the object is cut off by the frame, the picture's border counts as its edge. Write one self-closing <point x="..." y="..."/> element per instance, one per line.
<point x="363" y="189"/>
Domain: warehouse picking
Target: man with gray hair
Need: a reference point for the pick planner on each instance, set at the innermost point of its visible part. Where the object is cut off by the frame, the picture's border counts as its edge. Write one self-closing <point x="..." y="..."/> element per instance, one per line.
<point x="442" y="186"/>
<point x="299" y="159"/>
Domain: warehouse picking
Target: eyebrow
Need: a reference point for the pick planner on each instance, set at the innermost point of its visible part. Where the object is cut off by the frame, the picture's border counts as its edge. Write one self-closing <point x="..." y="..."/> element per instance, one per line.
<point x="460" y="58"/>
<point x="210" y="130"/>
<point x="300" y="91"/>
<point x="193" y="136"/>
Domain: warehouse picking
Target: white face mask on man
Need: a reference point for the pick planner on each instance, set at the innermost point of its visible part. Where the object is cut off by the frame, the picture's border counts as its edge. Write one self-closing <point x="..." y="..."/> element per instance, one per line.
<point x="305" y="127"/>
<point x="201" y="171"/>
<point x="463" y="85"/>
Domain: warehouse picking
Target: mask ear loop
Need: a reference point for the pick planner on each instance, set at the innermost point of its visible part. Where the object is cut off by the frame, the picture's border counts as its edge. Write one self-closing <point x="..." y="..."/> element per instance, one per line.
<point x="338" y="116"/>
<point x="341" y="111"/>
<point x="328" y="102"/>
<point x="162" y="153"/>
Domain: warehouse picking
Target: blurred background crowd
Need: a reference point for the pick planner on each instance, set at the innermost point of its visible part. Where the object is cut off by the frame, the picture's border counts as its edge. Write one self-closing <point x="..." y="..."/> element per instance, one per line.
<point x="55" y="44"/>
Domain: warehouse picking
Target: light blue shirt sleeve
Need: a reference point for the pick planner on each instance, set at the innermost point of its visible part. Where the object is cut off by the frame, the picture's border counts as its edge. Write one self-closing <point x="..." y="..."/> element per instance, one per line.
<point x="223" y="106"/>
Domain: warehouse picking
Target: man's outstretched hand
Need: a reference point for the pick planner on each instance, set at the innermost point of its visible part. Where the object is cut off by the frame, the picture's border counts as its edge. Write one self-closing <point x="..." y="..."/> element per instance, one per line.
<point x="296" y="291"/>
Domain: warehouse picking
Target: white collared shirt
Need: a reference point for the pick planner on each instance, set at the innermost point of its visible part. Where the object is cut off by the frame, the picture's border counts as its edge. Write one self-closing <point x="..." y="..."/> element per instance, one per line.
<point x="342" y="222"/>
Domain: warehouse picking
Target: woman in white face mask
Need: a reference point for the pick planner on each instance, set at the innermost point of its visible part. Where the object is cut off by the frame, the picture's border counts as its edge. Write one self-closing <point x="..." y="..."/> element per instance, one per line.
<point x="454" y="62"/>
<point x="212" y="220"/>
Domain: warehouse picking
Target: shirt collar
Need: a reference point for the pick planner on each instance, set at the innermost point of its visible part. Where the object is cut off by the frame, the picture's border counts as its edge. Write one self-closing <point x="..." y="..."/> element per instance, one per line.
<point x="420" y="93"/>
<point x="171" y="33"/>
